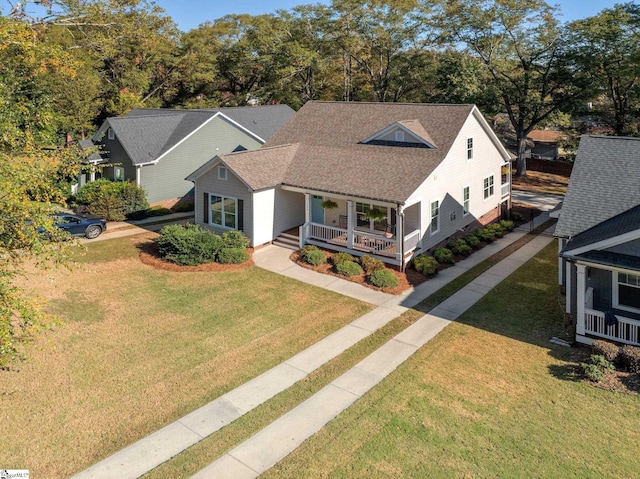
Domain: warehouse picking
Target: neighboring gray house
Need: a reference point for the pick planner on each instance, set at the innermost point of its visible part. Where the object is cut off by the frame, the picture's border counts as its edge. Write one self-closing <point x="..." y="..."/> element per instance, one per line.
<point x="429" y="170"/>
<point x="158" y="148"/>
<point x="599" y="240"/>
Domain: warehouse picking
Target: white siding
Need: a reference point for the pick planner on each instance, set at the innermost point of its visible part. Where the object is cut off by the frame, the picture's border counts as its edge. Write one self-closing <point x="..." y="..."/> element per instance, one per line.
<point x="289" y="210"/>
<point x="263" y="216"/>
<point x="455" y="172"/>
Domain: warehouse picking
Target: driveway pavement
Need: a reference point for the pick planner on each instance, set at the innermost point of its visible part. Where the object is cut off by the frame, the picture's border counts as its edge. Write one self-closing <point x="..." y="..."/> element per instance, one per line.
<point x="267" y="447"/>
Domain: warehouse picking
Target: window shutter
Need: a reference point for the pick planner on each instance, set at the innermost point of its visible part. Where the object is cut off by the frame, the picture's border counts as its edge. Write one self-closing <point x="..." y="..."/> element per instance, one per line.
<point x="205" y="209"/>
<point x="241" y="215"/>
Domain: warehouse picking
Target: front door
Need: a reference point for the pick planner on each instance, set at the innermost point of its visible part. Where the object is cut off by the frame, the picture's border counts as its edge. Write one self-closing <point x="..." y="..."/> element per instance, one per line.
<point x="317" y="211"/>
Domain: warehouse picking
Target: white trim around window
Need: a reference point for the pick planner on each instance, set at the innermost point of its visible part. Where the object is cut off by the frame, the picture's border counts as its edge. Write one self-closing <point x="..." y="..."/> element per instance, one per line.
<point x="223" y="211"/>
<point x="469" y="148"/>
<point x="626" y="287"/>
<point x="434" y="210"/>
<point x="118" y="173"/>
<point x="110" y="134"/>
<point x="466" y="200"/>
<point x="223" y="173"/>
<point x="488" y="186"/>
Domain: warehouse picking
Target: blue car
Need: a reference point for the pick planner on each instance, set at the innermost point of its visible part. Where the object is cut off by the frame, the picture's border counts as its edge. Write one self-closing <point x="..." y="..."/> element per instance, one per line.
<point x="79" y="225"/>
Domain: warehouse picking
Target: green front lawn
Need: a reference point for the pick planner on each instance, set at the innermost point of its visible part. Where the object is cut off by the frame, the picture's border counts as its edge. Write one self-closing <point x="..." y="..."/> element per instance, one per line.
<point x="488" y="397"/>
<point x="142" y="347"/>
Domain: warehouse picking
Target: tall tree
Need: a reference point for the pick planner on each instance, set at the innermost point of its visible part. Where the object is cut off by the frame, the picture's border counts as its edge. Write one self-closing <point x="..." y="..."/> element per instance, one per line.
<point x="524" y="49"/>
<point x="608" y="48"/>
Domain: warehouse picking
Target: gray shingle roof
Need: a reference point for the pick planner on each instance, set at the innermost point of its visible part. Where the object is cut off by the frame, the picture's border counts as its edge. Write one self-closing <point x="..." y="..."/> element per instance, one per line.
<point x="618" y="225"/>
<point x="147" y="134"/>
<point x="329" y="155"/>
<point x="605" y="182"/>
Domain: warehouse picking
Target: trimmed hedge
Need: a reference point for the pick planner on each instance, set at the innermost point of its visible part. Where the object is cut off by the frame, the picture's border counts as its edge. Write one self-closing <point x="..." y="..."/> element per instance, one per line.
<point x="338" y="258"/>
<point x="113" y="200"/>
<point x="313" y="255"/>
<point x="348" y="268"/>
<point x="188" y="244"/>
<point x="425" y="264"/>
<point x="597" y="368"/>
<point x="443" y="256"/>
<point x="630" y="358"/>
<point x="234" y="239"/>
<point x="496" y="229"/>
<point x="485" y="234"/>
<point x="460" y="248"/>
<point x="604" y="348"/>
<point x="371" y="264"/>
<point x="233" y="256"/>
<point x="507" y="225"/>
<point x="383" y="278"/>
<point x="472" y="240"/>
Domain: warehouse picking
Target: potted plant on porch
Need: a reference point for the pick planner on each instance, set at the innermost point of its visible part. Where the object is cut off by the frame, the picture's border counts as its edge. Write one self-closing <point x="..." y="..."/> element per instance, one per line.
<point x="329" y="204"/>
<point x="377" y="213"/>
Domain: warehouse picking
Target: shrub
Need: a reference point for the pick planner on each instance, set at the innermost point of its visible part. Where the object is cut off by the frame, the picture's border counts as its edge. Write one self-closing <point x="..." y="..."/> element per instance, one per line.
<point x="605" y="348"/>
<point x="460" y="247"/>
<point x="472" y="240"/>
<point x="188" y="244"/>
<point x="507" y="225"/>
<point x="113" y="200"/>
<point x="312" y="255"/>
<point x="443" y="256"/>
<point x="517" y="217"/>
<point x="496" y="229"/>
<point x="348" y="268"/>
<point x="182" y="206"/>
<point x="485" y="234"/>
<point x="233" y="255"/>
<point x="630" y="358"/>
<point x="425" y="264"/>
<point x="235" y="239"/>
<point x="383" y="278"/>
<point x="597" y="367"/>
<point x="338" y="258"/>
<point x="371" y="264"/>
<point x="158" y="211"/>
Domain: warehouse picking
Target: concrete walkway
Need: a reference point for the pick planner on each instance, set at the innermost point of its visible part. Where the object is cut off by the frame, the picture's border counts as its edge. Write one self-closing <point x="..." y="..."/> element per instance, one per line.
<point x="267" y="447"/>
<point x="119" y="229"/>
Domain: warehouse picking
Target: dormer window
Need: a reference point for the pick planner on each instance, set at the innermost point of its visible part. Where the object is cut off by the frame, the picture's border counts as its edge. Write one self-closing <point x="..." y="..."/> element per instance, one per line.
<point x="110" y="134"/>
<point x="406" y="134"/>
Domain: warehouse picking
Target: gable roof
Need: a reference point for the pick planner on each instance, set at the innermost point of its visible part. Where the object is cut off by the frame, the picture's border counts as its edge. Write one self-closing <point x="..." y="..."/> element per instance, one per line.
<point x="148" y="134"/>
<point x="603" y="184"/>
<point x="325" y="150"/>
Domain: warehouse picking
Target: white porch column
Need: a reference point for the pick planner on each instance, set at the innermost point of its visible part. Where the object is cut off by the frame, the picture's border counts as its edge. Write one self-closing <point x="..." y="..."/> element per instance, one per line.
<point x="92" y="175"/>
<point x="138" y="174"/>
<point x="560" y="261"/>
<point x="307" y="207"/>
<point x="581" y="288"/>
<point x="350" y="216"/>
<point x="400" y="234"/>
<point x="568" y="286"/>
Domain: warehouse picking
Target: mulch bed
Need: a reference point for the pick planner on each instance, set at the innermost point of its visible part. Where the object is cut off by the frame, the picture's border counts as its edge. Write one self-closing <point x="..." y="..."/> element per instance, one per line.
<point x="407" y="280"/>
<point x="149" y="255"/>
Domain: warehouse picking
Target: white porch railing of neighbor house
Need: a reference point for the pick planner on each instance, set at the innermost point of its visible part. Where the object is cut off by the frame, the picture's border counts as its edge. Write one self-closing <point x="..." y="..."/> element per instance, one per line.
<point x="411" y="241"/>
<point x="505" y="189"/>
<point x="625" y="330"/>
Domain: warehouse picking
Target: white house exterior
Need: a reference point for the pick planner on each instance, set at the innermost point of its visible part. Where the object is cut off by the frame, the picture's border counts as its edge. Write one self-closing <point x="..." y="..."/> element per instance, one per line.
<point x="433" y="170"/>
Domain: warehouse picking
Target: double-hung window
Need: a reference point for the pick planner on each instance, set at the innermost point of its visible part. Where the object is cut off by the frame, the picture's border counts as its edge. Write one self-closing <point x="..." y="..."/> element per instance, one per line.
<point x="469" y="149"/>
<point x="626" y="291"/>
<point x="223" y="211"/>
<point x="435" y="216"/>
<point x="488" y="187"/>
<point x="466" y="197"/>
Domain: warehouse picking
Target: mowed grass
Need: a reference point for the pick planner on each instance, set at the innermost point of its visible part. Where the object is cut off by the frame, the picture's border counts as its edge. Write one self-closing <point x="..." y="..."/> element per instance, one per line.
<point x="141" y="347"/>
<point x="488" y="397"/>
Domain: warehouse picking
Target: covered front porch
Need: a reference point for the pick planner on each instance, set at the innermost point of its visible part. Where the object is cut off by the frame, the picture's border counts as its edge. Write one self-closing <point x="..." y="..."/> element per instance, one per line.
<point x="389" y="232"/>
<point x="608" y="305"/>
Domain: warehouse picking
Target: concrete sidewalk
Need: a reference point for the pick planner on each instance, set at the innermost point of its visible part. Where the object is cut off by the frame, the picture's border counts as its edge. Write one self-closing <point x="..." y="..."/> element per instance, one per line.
<point x="153" y="450"/>
<point x="266" y="448"/>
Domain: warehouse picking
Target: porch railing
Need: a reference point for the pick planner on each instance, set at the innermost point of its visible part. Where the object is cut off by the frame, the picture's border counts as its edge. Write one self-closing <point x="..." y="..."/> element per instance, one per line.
<point x="375" y="243"/>
<point x="625" y="330"/>
<point x="327" y="233"/>
<point x="411" y="241"/>
<point x="505" y="189"/>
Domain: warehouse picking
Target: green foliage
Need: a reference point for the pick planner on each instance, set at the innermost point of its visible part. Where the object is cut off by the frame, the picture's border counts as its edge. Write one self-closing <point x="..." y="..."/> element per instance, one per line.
<point x="443" y="256"/>
<point x="507" y="225"/>
<point x="182" y="207"/>
<point x="607" y="349"/>
<point x="233" y="256"/>
<point x="371" y="264"/>
<point x="517" y="217"/>
<point x="460" y="247"/>
<point x="157" y="211"/>
<point x="597" y="368"/>
<point x="234" y="239"/>
<point x="485" y="234"/>
<point x="630" y="358"/>
<point x="496" y="229"/>
<point x="425" y="264"/>
<point x="313" y="255"/>
<point x="113" y="200"/>
<point x="348" y="268"/>
<point x="338" y="258"/>
<point x="472" y="240"/>
<point x="383" y="278"/>
<point x="188" y="244"/>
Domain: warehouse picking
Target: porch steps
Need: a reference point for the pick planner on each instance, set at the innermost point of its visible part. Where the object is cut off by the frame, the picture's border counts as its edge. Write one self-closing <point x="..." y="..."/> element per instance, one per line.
<point x="288" y="241"/>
